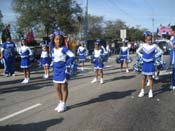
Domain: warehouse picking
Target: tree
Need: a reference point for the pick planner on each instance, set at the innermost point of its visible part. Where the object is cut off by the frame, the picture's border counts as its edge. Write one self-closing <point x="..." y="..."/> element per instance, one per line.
<point x="95" y="29"/>
<point x="112" y="29"/>
<point x="135" y="33"/>
<point x="49" y="13"/>
<point x="1" y="24"/>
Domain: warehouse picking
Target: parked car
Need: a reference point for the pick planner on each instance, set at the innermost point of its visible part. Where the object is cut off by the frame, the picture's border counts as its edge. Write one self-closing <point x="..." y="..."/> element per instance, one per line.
<point x="163" y="44"/>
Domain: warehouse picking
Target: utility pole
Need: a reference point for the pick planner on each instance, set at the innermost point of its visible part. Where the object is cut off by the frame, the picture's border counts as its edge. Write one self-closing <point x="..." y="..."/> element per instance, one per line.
<point x="86" y="22"/>
<point x="153" y="28"/>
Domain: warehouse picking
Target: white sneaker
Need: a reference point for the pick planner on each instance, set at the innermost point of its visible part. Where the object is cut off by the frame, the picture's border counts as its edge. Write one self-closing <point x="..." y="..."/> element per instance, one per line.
<point x="7" y="75"/>
<point x="82" y="69"/>
<point x="24" y="81"/>
<point x="150" y="94"/>
<point x="45" y="76"/>
<point x="157" y="78"/>
<point x="27" y="80"/>
<point x="94" y="80"/>
<point x="62" y="107"/>
<point x="58" y="106"/>
<point x="13" y="75"/>
<point x="127" y="70"/>
<point x="171" y="87"/>
<point x="101" y="81"/>
<point x="142" y="93"/>
<point x="148" y="83"/>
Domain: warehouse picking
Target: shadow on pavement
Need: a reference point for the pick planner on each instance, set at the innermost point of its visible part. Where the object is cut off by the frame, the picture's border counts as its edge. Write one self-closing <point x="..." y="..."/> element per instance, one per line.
<point x="27" y="87"/>
<point x="166" y="80"/>
<point x="40" y="126"/>
<point x="104" y="97"/>
<point x="120" y="78"/>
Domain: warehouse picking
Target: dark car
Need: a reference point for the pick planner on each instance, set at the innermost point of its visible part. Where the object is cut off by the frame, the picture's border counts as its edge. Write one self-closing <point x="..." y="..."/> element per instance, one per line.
<point x="163" y="45"/>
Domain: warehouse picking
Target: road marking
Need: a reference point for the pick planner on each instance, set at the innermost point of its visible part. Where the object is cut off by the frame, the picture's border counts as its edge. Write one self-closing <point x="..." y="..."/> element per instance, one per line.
<point x="88" y="68"/>
<point x="19" y="112"/>
<point x="107" y="66"/>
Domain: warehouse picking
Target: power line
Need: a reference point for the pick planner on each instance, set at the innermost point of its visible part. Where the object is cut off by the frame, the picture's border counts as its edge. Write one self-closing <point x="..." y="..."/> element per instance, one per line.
<point x="121" y="10"/>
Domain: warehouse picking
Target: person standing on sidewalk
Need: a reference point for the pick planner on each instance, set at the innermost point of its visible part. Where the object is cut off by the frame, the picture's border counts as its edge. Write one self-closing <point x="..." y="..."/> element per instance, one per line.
<point x="148" y="54"/>
<point x="172" y="56"/>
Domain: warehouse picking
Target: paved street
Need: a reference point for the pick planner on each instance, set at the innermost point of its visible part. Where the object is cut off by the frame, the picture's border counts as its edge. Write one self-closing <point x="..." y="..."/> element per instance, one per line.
<point x="112" y="106"/>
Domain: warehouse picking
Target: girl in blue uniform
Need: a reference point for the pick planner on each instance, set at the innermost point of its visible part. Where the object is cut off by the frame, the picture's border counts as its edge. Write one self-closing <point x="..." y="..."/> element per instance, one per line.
<point x="172" y="56"/>
<point x="59" y="54"/>
<point x="25" y="52"/>
<point x="98" y="62"/>
<point x="148" y="52"/>
<point x="45" y="61"/>
<point x="8" y="53"/>
<point x="82" y="55"/>
<point x="124" y="54"/>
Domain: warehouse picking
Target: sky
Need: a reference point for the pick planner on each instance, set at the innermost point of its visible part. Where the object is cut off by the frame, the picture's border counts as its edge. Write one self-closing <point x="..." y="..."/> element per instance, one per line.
<point x="133" y="12"/>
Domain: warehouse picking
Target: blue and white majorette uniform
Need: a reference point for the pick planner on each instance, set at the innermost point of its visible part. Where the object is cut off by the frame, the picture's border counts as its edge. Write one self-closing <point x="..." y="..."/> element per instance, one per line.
<point x="98" y="59"/>
<point x="148" y="53"/>
<point x="44" y="58"/>
<point x="82" y="53"/>
<point x="60" y="62"/>
<point x="25" y="52"/>
<point x="124" y="53"/>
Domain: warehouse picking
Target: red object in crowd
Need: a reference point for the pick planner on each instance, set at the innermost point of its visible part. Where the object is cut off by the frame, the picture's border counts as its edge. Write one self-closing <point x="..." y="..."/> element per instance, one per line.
<point x="30" y="37"/>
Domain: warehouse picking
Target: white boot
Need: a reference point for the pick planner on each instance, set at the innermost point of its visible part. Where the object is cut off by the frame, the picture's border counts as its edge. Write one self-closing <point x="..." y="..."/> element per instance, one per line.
<point x="150" y="94"/>
<point x="94" y="80"/>
<point x="58" y="106"/>
<point x="24" y="81"/>
<point x="101" y="81"/>
<point x="62" y="107"/>
<point x="127" y="70"/>
<point x="142" y="93"/>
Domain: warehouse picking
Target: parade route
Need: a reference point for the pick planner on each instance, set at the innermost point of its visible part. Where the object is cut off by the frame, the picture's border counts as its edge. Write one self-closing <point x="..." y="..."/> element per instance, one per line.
<point x="112" y="106"/>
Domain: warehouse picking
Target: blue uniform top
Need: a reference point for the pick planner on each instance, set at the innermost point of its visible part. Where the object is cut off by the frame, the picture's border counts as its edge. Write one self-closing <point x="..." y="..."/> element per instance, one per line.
<point x="124" y="51"/>
<point x="59" y="56"/>
<point x="81" y="51"/>
<point x="98" y="53"/>
<point x="25" y="52"/>
<point x="8" y="49"/>
<point x="149" y="52"/>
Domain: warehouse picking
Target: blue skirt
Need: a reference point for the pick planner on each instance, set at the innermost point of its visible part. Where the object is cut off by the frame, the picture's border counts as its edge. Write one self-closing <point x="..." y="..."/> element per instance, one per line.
<point x="123" y="58"/>
<point x="98" y="64"/>
<point x="59" y="73"/>
<point x="25" y="63"/>
<point x="148" y="68"/>
<point x="82" y="58"/>
<point x="45" y="61"/>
